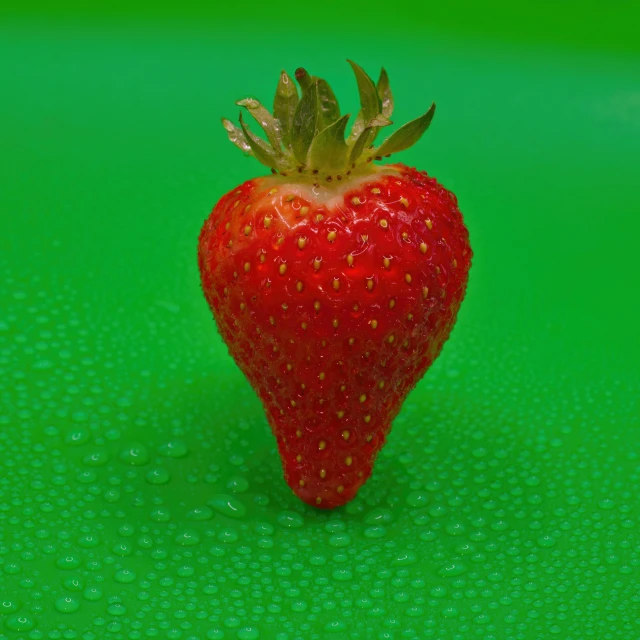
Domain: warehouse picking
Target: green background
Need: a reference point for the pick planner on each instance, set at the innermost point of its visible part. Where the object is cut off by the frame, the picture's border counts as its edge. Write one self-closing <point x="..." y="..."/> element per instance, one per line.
<point x="140" y="491"/>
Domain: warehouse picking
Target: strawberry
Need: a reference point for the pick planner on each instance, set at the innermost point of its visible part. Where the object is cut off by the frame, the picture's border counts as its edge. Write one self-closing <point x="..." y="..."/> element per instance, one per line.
<point x="335" y="281"/>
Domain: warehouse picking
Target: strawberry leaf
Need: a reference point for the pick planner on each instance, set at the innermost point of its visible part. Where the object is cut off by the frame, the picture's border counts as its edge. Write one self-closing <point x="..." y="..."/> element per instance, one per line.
<point x="356" y="128"/>
<point x="407" y="135"/>
<point x="284" y="106"/>
<point x="330" y="111"/>
<point x="306" y="123"/>
<point x="369" y="99"/>
<point x="363" y="140"/>
<point x="265" y="120"/>
<point x="328" y="149"/>
<point x="367" y="136"/>
<point x="236" y="135"/>
<point x="261" y="150"/>
<point x="384" y="93"/>
<point x="304" y="79"/>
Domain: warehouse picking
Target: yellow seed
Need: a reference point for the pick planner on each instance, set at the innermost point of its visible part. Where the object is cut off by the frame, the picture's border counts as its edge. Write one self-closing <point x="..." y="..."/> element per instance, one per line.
<point x="301" y="483"/>
<point x="405" y="344"/>
<point x="290" y="197"/>
<point x="383" y="223"/>
<point x="226" y="291"/>
<point x="236" y="203"/>
<point x="226" y="226"/>
<point x="363" y="397"/>
<point x="355" y="307"/>
<point x="247" y="208"/>
<point x="321" y="401"/>
<point x="322" y="375"/>
<point x="343" y="387"/>
<point x="319" y="218"/>
<point x="272" y="191"/>
<point x="293" y="403"/>
<point x="348" y="460"/>
<point x="425" y="292"/>
<point x="423" y="247"/>
<point x="351" y="341"/>
<point x="410" y="316"/>
<point x="355" y="200"/>
<point x="302" y="241"/>
<point x="365" y="238"/>
<point x="404" y="202"/>
<point x="454" y="263"/>
<point x="298" y="434"/>
<point x="340" y="488"/>
<point x="370" y="284"/>
<point x="336" y="284"/>
<point x="335" y="323"/>
<point x="350" y="259"/>
<point x="242" y="306"/>
<point x="267" y="222"/>
<point x="235" y="274"/>
<point x="282" y="269"/>
<point x="367" y="419"/>
<point x="318" y="500"/>
<point x="316" y="264"/>
<point x="321" y="445"/>
<point x="316" y="306"/>
<point x="331" y="236"/>
<point x="429" y="224"/>
<point x="386" y="262"/>
<point x="304" y="325"/>
<point x="298" y="458"/>
<point x="407" y="277"/>
<point x="340" y="414"/>
<point x="247" y="266"/>
<point x="304" y="211"/>
<point x="272" y="320"/>
<point x="262" y="258"/>
<point x="299" y="286"/>
<point x="374" y="324"/>
<point x="247" y="230"/>
<point x="375" y="191"/>
<point x="323" y="473"/>
<point x="381" y="384"/>
<point x="280" y="240"/>
<point x="369" y="438"/>
<point x="391" y="338"/>
<point x="345" y="435"/>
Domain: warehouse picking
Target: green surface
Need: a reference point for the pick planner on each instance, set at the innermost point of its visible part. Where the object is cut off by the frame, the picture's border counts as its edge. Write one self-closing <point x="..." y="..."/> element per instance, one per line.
<point x="140" y="490"/>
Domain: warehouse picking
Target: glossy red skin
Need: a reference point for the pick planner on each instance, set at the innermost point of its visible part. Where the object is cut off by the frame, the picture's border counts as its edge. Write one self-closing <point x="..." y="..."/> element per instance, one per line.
<point x="260" y="312"/>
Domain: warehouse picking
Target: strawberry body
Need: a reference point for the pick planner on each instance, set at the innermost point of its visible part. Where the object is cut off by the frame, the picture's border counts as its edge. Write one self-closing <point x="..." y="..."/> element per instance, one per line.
<point x="333" y="300"/>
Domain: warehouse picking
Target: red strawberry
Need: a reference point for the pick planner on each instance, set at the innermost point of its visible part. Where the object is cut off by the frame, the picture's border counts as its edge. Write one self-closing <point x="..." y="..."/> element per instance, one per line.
<point x="334" y="282"/>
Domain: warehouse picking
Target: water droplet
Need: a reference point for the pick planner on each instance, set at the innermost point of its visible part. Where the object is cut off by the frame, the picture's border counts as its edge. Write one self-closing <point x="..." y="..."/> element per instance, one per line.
<point x="187" y="538"/>
<point x="452" y="569"/>
<point x="173" y="449"/>
<point x="379" y="516"/>
<point x="135" y="454"/>
<point x="290" y="519"/>
<point x="417" y="499"/>
<point x="125" y="576"/>
<point x="228" y="505"/>
<point x="158" y="475"/>
<point x="67" y="604"/>
<point x="200" y="513"/>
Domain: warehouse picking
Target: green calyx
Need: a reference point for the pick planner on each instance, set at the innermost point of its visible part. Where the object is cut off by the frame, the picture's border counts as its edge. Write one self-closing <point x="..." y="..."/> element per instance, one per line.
<point x="306" y="134"/>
